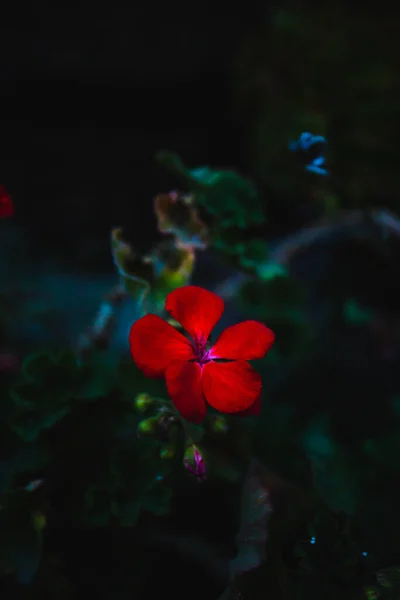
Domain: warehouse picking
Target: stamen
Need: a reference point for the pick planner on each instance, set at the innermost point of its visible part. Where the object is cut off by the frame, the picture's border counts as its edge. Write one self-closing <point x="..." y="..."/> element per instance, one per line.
<point x="201" y="350"/>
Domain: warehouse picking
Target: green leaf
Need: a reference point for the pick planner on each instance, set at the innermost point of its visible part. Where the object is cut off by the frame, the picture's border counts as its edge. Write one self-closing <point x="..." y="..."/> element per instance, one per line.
<point x="50" y="382"/>
<point x="354" y="313"/>
<point x="132" y="382"/>
<point x="30" y="424"/>
<point x="127" y="512"/>
<point x="224" y="194"/>
<point x="280" y="301"/>
<point x="97" y="377"/>
<point x="24" y="394"/>
<point x="279" y="296"/>
<point x="255" y="253"/>
<point x="247" y="254"/>
<point x="385" y="451"/>
<point x="233" y="199"/>
<point x="36" y="366"/>
<point x="270" y="271"/>
<point x="158" y="500"/>
<point x="332" y="468"/>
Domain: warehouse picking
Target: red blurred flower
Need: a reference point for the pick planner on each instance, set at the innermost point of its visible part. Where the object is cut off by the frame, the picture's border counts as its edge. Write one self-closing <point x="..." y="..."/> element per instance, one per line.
<point x="196" y="372"/>
<point x="6" y="204"/>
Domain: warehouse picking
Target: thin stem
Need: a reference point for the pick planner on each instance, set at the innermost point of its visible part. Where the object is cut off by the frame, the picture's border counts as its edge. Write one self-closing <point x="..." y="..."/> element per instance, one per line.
<point x="349" y="222"/>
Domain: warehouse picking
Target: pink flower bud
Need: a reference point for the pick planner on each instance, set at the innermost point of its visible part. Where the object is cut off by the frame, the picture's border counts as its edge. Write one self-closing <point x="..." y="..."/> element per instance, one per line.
<point x="194" y="463"/>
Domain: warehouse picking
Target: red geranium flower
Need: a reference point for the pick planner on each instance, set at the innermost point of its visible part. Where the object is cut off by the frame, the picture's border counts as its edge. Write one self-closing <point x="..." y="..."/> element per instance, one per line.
<point x="6" y="204"/>
<point x="194" y="371"/>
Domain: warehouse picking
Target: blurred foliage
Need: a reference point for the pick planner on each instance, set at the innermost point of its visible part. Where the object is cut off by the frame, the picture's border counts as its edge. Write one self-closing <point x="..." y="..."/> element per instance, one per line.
<point x="87" y="442"/>
<point x="280" y="301"/>
<point x="231" y="204"/>
<point x="332" y="71"/>
<point x="317" y="468"/>
<point x="150" y="278"/>
<point x="224" y="194"/>
<point x="47" y="385"/>
<point x="67" y="423"/>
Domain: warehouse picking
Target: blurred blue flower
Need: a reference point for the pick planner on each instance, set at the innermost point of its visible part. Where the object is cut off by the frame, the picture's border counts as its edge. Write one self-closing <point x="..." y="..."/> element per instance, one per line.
<point x="308" y="142"/>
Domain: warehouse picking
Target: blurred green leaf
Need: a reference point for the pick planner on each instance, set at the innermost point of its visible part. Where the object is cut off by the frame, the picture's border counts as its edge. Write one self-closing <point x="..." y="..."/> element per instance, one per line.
<point x="50" y="382"/>
<point x="280" y="301"/>
<point x="233" y="199"/>
<point x="384" y="450"/>
<point x="334" y="471"/>
<point x="226" y="195"/>
<point x="97" y="376"/>
<point x="355" y="314"/>
<point x="21" y="542"/>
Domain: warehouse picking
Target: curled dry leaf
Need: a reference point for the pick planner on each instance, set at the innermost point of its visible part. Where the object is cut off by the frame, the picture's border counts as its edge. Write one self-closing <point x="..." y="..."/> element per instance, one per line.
<point x="163" y="269"/>
<point x="256" y="510"/>
<point x="137" y="273"/>
<point x="178" y="215"/>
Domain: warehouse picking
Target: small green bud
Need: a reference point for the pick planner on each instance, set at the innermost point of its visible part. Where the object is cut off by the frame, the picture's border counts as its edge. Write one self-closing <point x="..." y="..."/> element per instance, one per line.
<point x="168" y="452"/>
<point x="38" y="520"/>
<point x="148" y="426"/>
<point x="143" y="402"/>
<point x="220" y="425"/>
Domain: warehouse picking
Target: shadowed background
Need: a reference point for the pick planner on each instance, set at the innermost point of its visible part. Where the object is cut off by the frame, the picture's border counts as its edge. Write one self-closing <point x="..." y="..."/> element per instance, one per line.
<point x="88" y="95"/>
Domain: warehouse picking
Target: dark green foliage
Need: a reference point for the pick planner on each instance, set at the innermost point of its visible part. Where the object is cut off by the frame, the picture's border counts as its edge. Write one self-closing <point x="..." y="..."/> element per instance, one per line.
<point x="247" y="254"/>
<point x="73" y="426"/>
<point x="232" y="205"/>
<point x="49" y="382"/>
<point x="93" y="445"/>
<point x="303" y="71"/>
<point x="224" y="194"/>
<point x="280" y="301"/>
<point x="21" y="539"/>
<point x="228" y="196"/>
<point x="332" y="468"/>
<point x="126" y="486"/>
<point x="332" y="557"/>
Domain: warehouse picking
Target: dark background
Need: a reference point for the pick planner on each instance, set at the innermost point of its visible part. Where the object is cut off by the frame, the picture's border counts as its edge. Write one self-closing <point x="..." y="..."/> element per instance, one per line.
<point x="90" y="93"/>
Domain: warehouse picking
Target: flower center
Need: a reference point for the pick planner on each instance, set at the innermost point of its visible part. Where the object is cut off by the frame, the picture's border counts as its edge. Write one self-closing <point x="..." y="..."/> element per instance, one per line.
<point x="202" y="352"/>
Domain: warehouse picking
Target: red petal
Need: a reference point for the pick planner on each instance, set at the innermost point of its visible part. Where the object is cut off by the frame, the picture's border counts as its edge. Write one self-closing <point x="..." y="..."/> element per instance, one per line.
<point x="254" y="409"/>
<point x="154" y="343"/>
<point x="196" y="309"/>
<point x="231" y="387"/>
<point x="183" y="381"/>
<point x="244" y="341"/>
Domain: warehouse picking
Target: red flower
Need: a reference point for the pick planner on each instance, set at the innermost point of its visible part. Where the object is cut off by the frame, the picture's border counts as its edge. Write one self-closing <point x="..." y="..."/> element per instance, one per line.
<point x="6" y="204"/>
<point x="194" y="371"/>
